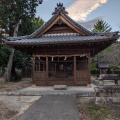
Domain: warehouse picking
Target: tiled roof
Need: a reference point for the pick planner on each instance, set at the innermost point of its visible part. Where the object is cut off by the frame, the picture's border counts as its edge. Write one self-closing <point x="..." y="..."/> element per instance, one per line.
<point x="111" y="34"/>
<point x="103" y="65"/>
<point x="62" y="37"/>
<point x="52" y="19"/>
<point x="16" y="38"/>
<point x="77" y="25"/>
<point x="63" y="14"/>
<point x="59" y="39"/>
<point x="43" y="26"/>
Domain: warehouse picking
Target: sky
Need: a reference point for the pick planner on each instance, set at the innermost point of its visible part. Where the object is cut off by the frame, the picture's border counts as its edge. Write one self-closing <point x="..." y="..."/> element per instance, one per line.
<point x="85" y="12"/>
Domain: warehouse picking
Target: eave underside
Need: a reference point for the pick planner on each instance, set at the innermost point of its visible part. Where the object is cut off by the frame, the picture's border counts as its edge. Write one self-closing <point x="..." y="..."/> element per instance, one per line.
<point x="67" y="48"/>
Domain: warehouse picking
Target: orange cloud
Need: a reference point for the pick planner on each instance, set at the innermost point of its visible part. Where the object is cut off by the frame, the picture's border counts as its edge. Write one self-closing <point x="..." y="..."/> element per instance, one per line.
<point x="81" y="8"/>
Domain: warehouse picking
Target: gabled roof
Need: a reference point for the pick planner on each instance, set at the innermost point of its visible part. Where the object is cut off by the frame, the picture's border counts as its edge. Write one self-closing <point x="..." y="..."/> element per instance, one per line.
<point x="60" y="17"/>
<point x="60" y="14"/>
<point x="65" y="18"/>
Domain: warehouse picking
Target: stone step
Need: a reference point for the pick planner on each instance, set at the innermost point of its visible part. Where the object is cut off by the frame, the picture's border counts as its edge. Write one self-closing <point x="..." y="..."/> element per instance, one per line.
<point x="60" y="87"/>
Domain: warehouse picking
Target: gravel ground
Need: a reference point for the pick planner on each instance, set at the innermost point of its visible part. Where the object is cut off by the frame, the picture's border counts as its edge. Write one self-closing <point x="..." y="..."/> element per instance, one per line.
<point x="11" y="107"/>
<point x="90" y="111"/>
<point x="12" y="86"/>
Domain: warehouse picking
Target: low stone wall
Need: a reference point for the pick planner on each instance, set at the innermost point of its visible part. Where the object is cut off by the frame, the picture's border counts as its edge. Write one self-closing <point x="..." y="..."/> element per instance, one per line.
<point x="107" y="94"/>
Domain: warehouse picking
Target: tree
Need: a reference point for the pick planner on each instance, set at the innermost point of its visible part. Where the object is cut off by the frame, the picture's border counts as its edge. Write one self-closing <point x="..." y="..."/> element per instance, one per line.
<point x="28" y="26"/>
<point x="4" y="54"/>
<point x="15" y="11"/>
<point x="25" y="28"/>
<point x="18" y="10"/>
<point x="111" y="55"/>
<point x="101" y="26"/>
<point x="37" y="22"/>
<point x="2" y="21"/>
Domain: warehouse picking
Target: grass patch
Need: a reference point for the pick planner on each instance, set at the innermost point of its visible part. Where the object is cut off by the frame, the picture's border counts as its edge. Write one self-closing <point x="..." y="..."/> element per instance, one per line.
<point x="97" y="112"/>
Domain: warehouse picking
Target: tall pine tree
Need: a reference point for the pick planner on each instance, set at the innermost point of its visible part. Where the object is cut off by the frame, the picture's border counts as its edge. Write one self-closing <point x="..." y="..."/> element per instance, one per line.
<point x="101" y="26"/>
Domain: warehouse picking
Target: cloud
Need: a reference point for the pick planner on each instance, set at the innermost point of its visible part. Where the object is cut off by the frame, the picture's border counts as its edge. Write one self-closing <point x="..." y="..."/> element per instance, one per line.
<point x="81" y="8"/>
<point x="89" y="24"/>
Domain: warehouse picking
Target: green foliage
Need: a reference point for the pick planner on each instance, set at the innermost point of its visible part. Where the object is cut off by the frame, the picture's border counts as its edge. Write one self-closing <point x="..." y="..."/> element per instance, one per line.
<point x="37" y="22"/>
<point x="94" y="69"/>
<point x="28" y="26"/>
<point x="101" y="26"/>
<point x="11" y="13"/>
<point x="111" y="55"/>
<point x="18" y="61"/>
<point x="17" y="75"/>
<point x="93" y="66"/>
<point x="95" y="72"/>
<point x="17" y="10"/>
<point x="3" y="18"/>
<point x="4" y="55"/>
<point x="109" y="48"/>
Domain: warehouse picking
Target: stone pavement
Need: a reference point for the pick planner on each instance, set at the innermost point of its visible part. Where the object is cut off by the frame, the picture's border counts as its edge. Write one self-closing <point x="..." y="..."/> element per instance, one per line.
<point x="53" y="107"/>
<point x="49" y="90"/>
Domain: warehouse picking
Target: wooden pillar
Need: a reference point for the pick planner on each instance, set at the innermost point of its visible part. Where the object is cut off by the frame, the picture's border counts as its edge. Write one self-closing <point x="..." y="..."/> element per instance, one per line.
<point x="46" y="69"/>
<point x="75" y="69"/>
<point x="89" y="73"/>
<point x="33" y="67"/>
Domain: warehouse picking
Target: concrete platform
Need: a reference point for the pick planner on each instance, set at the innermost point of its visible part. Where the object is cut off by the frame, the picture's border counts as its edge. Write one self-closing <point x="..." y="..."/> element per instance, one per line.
<point x="38" y="91"/>
<point x="49" y="90"/>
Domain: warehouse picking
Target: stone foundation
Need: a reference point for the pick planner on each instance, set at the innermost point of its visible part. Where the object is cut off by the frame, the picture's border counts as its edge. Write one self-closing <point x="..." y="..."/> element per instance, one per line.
<point x="107" y="94"/>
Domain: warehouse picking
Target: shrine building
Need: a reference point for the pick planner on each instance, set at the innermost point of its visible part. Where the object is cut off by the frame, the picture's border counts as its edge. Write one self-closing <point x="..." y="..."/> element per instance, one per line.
<point x="61" y="50"/>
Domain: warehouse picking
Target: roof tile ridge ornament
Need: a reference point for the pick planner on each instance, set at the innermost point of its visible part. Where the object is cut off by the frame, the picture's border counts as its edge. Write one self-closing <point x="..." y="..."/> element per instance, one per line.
<point x="59" y="9"/>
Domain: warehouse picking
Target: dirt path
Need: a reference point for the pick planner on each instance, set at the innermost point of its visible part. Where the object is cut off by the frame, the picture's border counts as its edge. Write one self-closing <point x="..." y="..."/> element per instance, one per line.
<point x="11" y="107"/>
<point x="11" y="86"/>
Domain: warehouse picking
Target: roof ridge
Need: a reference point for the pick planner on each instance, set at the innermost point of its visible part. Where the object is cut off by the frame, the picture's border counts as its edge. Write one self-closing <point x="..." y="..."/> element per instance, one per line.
<point x="77" y="24"/>
<point x="43" y="26"/>
<point x="59" y="9"/>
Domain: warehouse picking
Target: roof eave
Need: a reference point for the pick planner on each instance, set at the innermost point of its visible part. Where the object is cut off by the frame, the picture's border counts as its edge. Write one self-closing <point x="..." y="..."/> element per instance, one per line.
<point x="59" y="43"/>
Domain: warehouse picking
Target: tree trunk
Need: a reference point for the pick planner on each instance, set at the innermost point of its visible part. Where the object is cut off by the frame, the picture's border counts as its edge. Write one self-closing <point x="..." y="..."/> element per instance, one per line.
<point x="7" y="74"/>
